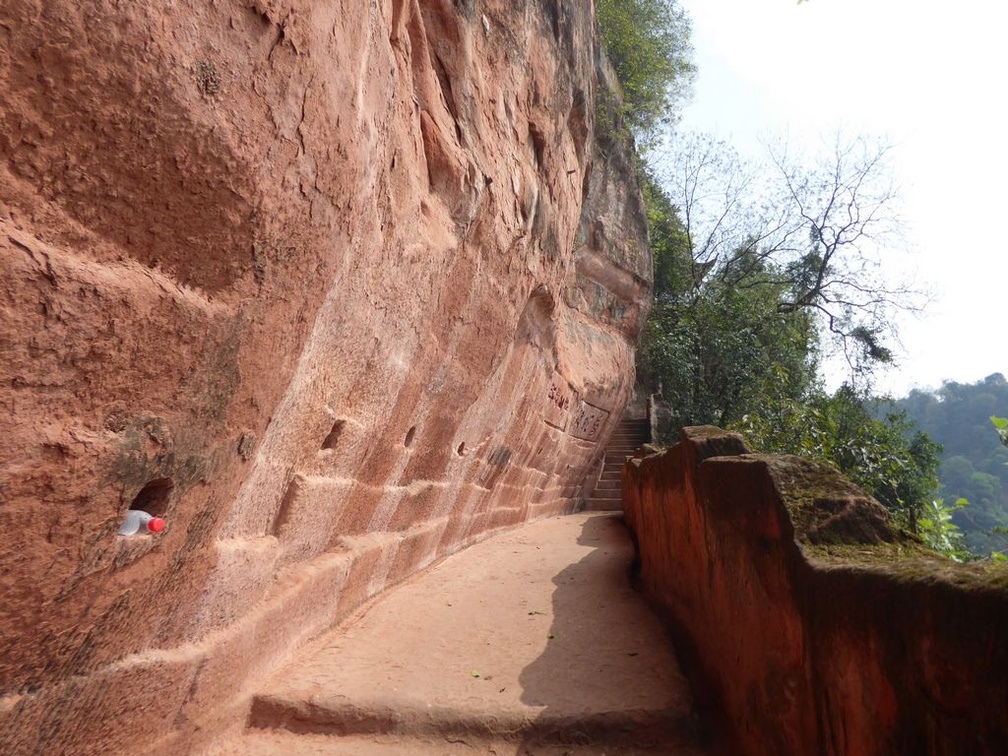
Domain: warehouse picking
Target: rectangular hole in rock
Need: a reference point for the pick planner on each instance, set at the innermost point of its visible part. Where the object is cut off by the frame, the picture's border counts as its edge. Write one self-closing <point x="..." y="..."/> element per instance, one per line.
<point x="334" y="435"/>
<point x="286" y="505"/>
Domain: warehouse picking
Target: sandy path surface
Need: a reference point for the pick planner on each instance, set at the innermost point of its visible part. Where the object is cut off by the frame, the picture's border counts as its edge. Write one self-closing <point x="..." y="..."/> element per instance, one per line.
<point x="531" y="642"/>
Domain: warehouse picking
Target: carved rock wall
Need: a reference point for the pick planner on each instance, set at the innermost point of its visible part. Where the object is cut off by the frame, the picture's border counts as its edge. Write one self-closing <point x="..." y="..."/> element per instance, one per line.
<point x="809" y="624"/>
<point x="336" y="287"/>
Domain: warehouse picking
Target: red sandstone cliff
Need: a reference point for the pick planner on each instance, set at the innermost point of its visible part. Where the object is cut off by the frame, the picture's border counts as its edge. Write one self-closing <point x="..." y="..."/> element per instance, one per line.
<point x="336" y="287"/>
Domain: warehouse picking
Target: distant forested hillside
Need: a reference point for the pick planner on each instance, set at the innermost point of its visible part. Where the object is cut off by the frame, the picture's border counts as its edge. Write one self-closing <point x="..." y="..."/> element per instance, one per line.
<point x="973" y="464"/>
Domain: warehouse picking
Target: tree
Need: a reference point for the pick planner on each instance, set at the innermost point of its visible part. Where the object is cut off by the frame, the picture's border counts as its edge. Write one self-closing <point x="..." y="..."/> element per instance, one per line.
<point x="673" y="268"/>
<point x="886" y="456"/>
<point x="648" y="43"/>
<point x="740" y="351"/>
<point x="819" y="229"/>
<point x="718" y="350"/>
<point x="975" y="465"/>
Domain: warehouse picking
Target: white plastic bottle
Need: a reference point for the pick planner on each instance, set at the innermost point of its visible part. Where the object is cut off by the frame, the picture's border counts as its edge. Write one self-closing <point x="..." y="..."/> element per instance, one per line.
<point x="138" y="522"/>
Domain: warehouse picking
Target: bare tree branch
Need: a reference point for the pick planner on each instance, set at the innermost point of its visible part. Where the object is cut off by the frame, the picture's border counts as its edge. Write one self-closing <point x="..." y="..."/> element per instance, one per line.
<point x="816" y="229"/>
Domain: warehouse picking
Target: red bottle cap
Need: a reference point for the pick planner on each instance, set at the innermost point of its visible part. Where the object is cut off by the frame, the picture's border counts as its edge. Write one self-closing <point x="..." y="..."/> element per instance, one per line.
<point x="155" y="525"/>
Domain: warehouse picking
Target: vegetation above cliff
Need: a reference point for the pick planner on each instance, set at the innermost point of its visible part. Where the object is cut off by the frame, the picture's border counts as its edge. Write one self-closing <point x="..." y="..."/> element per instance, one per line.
<point x="647" y="41"/>
<point x="755" y="275"/>
<point x="761" y="268"/>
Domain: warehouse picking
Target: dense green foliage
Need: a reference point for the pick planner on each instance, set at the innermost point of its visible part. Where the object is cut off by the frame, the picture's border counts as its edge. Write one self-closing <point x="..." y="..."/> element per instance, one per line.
<point x="722" y="348"/>
<point x="647" y="42"/>
<point x="884" y="454"/>
<point x="717" y="356"/>
<point x="751" y="271"/>
<point x="717" y="345"/>
<point x="974" y="465"/>
<point x="816" y="224"/>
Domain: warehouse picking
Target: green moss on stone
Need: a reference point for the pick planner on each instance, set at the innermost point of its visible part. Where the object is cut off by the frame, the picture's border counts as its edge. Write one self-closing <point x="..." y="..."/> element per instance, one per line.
<point x="909" y="562"/>
<point x="826" y="508"/>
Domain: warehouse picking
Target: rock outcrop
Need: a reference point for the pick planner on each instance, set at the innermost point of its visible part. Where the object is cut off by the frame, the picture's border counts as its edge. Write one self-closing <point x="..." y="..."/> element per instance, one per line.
<point x="806" y="621"/>
<point x="336" y="288"/>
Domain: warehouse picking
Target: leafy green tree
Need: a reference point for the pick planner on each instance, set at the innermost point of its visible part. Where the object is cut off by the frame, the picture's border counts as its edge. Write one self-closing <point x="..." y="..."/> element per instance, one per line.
<point x="959" y="416"/>
<point x="819" y="226"/>
<point x="955" y="473"/>
<point x="886" y="456"/>
<point x="648" y="43"/>
<point x="673" y="265"/>
<point x="718" y="350"/>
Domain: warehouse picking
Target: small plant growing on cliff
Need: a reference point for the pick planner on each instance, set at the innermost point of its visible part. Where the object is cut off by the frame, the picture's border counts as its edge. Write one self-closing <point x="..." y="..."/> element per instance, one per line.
<point x="940" y="533"/>
<point x="1001" y="424"/>
<point x="610" y="122"/>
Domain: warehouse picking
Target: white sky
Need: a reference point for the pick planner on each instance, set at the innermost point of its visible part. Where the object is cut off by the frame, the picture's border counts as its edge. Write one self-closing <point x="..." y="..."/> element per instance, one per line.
<point x="931" y="77"/>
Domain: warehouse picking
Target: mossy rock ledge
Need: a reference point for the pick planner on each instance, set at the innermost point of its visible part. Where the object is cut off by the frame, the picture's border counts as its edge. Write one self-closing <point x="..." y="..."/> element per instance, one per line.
<point x="808" y="621"/>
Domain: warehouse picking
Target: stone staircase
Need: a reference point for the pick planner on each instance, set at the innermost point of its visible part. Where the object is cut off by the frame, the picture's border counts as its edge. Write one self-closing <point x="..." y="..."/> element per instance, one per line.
<point x="630" y="435"/>
<point x="531" y="643"/>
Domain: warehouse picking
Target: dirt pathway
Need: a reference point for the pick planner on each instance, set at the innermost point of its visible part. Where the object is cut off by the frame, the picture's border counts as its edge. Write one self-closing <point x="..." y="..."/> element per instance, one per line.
<point x="532" y="642"/>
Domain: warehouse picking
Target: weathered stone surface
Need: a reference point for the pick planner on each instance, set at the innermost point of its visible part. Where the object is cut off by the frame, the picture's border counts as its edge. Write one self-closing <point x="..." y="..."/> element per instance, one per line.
<point x="807" y="620"/>
<point x="338" y="287"/>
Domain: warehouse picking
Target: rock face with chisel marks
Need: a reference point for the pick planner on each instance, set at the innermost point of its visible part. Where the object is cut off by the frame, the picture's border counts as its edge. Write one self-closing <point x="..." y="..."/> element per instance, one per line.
<point x="336" y="288"/>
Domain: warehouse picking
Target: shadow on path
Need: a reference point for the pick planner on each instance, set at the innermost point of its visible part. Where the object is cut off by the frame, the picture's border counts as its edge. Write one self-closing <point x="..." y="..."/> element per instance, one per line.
<point x="608" y="679"/>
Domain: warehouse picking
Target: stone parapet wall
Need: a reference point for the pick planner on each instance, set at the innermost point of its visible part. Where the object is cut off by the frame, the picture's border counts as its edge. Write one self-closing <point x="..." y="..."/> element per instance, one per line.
<point x="809" y="623"/>
<point x="337" y="287"/>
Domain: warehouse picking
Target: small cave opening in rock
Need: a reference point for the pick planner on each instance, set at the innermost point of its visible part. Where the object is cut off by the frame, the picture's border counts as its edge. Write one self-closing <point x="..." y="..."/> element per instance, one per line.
<point x="153" y="497"/>
<point x="286" y="506"/>
<point x="334" y="435"/>
<point x="409" y="437"/>
<point x="461" y="449"/>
